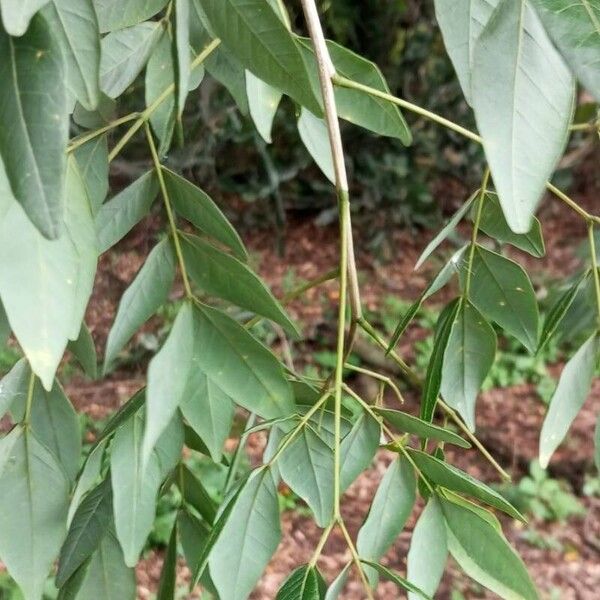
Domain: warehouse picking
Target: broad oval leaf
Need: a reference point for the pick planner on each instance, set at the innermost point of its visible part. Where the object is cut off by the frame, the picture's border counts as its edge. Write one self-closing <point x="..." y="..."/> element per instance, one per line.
<point x="448" y="476"/>
<point x="76" y="27"/>
<point x="33" y="146"/>
<point x="118" y="14"/>
<point x="314" y="136"/>
<point x="358" y="448"/>
<point x="428" y="431"/>
<point x="17" y="14"/>
<point x="89" y="525"/>
<point x="239" y="365"/>
<point x="501" y="290"/>
<point x="124" y="54"/>
<point x="523" y="97"/>
<point x="252" y="528"/>
<point x="572" y="390"/>
<point x="14" y="386"/>
<point x="468" y="358"/>
<point x="254" y="33"/>
<point x="148" y="291"/>
<point x="484" y="554"/>
<point x="117" y="216"/>
<point x="305" y="583"/>
<point x="263" y="101"/>
<point x="168" y="374"/>
<point x="575" y="29"/>
<point x="198" y="208"/>
<point x="45" y="284"/>
<point x="428" y="550"/>
<point x="222" y="275"/>
<point x="391" y="507"/>
<point x="306" y="466"/>
<point x="33" y="510"/>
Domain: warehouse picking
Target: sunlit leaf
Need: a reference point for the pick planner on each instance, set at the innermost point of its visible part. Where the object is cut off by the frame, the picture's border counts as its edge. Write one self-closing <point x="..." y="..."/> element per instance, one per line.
<point x="263" y="101"/>
<point x="313" y="133"/>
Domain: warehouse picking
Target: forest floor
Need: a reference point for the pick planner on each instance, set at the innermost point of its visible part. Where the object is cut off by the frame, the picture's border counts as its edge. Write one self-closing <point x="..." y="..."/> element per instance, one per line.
<point x="562" y="555"/>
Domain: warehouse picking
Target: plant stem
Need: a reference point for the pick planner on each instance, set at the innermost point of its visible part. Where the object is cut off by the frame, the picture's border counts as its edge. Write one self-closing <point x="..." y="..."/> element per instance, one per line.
<point x="169" y="209"/>
<point x="355" y="558"/>
<point x="29" y="401"/>
<point x="594" y="258"/>
<point x="83" y="139"/>
<point x="484" y="184"/>
<point x="347" y="261"/>
<point x="235" y="463"/>
<point x="321" y="544"/>
<point x="384" y="378"/>
<point x="344" y="82"/>
<point x="145" y="115"/>
<point x="415" y="380"/>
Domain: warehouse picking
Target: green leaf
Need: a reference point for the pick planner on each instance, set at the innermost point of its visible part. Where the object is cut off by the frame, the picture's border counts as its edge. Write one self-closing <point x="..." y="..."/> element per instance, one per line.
<point x="372" y="113"/>
<point x="88" y="477"/>
<point x="90" y="523"/>
<point x="575" y="29"/>
<point x="148" y="291"/>
<point x="462" y="23"/>
<point x="254" y="33"/>
<point x="314" y="136"/>
<point x="124" y="54"/>
<point x="116" y="218"/>
<point x="76" y="27"/>
<point x="182" y="47"/>
<point x="494" y="224"/>
<point x="135" y="487"/>
<point x="358" y="448"/>
<point x="93" y="119"/>
<point x="239" y="365"/>
<point x="14" y="385"/>
<point x="502" y="291"/>
<point x="16" y="15"/>
<point x="199" y="209"/>
<point x="160" y="74"/>
<point x="107" y="576"/>
<point x="468" y="358"/>
<point x="92" y="160"/>
<point x="448" y="476"/>
<point x="196" y="495"/>
<point x="337" y="585"/>
<point x="523" y="98"/>
<point x="115" y="14"/>
<point x="484" y="554"/>
<point x="391" y="507"/>
<point x="558" y="311"/>
<point x="209" y="411"/>
<point x="395" y="578"/>
<point x="168" y="578"/>
<point x="4" y="324"/>
<point x="33" y="510"/>
<point x="428" y="551"/>
<point x="306" y="466"/>
<point x="572" y="390"/>
<point x="45" y="284"/>
<point x="263" y="101"/>
<point x="54" y="423"/>
<point x="252" y="528"/>
<point x="446" y="231"/>
<point x="33" y="147"/>
<point x="84" y="350"/>
<point x="427" y="431"/>
<point x="597" y="444"/>
<point x="305" y="583"/>
<point x="222" y="275"/>
<point x="168" y="373"/>
<point x="433" y="378"/>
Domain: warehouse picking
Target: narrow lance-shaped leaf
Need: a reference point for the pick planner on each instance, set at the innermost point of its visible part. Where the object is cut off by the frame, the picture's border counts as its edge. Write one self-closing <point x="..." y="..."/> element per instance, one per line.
<point x="116" y="14"/>
<point x="575" y="29"/>
<point x="33" y="510"/>
<point x="484" y="554"/>
<point x="358" y="448"/>
<point x="523" y="97"/>
<point x="313" y="133"/>
<point x="196" y="495"/>
<point x="168" y="578"/>
<point x="33" y="147"/>
<point x="428" y="551"/>
<point x="148" y="291"/>
<point x="182" y="46"/>
<point x="84" y="350"/>
<point x="76" y="27"/>
<point x="305" y="583"/>
<point x="253" y="529"/>
<point x="394" y="578"/>
<point x="92" y="160"/>
<point x="572" y="390"/>
<point x="337" y="585"/>
<point x="263" y="101"/>
<point x="501" y="290"/>
<point x="468" y="358"/>
<point x="391" y="507"/>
